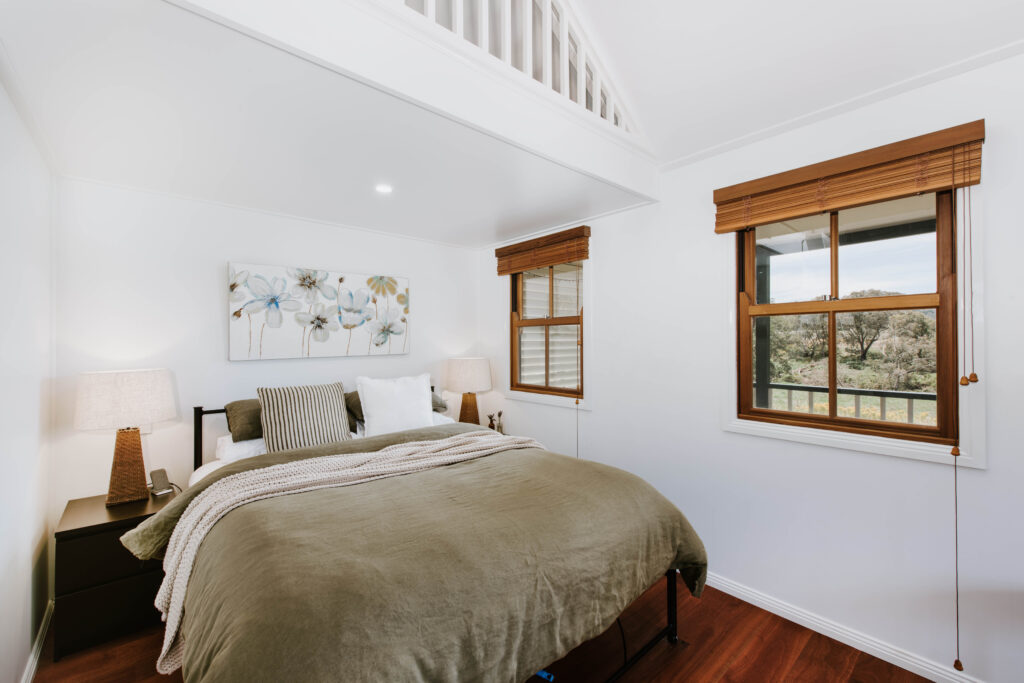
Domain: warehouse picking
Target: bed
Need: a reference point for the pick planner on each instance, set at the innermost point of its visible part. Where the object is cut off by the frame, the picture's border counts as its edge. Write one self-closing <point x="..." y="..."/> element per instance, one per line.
<point x="485" y="569"/>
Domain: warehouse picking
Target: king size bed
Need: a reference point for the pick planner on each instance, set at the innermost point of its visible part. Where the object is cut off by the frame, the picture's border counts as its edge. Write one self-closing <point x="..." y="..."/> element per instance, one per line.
<point x="447" y="553"/>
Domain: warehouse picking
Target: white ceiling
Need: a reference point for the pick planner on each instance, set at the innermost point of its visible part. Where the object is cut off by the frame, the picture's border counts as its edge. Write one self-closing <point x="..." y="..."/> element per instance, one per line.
<point x="700" y="76"/>
<point x="144" y="94"/>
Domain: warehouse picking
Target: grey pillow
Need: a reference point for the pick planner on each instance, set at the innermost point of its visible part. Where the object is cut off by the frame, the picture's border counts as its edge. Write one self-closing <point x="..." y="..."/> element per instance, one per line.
<point x="244" y="419"/>
<point x="300" y="417"/>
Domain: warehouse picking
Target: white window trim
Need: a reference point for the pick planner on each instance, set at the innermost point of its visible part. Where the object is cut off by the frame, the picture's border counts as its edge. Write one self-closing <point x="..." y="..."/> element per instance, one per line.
<point x="973" y="452"/>
<point x="588" y="362"/>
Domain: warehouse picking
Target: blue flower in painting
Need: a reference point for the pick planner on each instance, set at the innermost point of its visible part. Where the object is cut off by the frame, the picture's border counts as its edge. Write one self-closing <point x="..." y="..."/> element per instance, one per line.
<point x="270" y="298"/>
<point x="310" y="283"/>
<point x="390" y="323"/>
<point x="354" y="308"/>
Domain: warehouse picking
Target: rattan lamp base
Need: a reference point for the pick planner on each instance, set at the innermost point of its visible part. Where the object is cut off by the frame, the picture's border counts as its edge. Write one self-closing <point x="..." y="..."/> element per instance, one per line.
<point x="128" y="473"/>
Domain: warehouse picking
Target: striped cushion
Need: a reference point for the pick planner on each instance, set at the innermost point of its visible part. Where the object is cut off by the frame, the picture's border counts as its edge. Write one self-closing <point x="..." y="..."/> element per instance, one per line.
<point x="298" y="417"/>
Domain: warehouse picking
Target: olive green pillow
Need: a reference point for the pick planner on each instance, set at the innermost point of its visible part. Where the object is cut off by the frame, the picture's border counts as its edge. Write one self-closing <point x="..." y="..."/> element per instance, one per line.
<point x="244" y="419"/>
<point x="355" y="408"/>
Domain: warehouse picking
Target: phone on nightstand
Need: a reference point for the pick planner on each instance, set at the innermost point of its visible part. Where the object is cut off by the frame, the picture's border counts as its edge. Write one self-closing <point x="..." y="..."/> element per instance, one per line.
<point x="161" y="484"/>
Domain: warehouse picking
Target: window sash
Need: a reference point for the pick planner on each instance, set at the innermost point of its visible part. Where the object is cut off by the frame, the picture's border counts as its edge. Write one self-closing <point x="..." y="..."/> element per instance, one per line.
<point x="944" y="302"/>
<point x="518" y="323"/>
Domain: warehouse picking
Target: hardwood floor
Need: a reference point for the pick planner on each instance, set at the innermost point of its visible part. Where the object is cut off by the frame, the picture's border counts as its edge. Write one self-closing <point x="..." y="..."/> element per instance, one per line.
<point x="724" y="639"/>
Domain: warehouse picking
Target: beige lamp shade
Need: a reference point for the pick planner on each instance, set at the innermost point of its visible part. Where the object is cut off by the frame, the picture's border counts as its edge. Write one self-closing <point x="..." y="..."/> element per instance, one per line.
<point x="128" y="398"/>
<point x="469" y="375"/>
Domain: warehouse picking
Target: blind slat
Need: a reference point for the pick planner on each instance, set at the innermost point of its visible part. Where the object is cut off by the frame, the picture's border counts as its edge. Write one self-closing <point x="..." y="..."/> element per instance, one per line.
<point x="550" y="250"/>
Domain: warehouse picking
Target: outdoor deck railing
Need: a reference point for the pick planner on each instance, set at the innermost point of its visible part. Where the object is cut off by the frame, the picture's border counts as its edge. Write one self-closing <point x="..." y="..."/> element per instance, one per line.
<point x="909" y="396"/>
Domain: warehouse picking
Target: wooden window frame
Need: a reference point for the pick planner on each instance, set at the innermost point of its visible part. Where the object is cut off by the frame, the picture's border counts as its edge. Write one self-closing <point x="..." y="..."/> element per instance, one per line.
<point x="517" y="323"/>
<point x="944" y="301"/>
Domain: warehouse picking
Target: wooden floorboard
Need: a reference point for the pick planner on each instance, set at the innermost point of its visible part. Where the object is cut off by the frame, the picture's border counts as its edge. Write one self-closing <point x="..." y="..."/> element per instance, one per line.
<point x="725" y="639"/>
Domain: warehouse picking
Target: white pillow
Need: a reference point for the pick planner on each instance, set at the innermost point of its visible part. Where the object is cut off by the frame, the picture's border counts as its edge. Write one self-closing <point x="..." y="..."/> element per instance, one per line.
<point x="230" y="451"/>
<point x="394" y="405"/>
<point x="205" y="469"/>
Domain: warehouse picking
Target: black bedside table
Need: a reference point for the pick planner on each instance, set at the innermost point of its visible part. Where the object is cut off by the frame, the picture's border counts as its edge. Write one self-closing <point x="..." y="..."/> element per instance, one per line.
<point x="102" y="590"/>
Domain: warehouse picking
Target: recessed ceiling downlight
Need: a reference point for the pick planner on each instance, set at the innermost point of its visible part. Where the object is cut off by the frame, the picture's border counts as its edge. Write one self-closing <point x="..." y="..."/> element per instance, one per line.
<point x="384" y="188"/>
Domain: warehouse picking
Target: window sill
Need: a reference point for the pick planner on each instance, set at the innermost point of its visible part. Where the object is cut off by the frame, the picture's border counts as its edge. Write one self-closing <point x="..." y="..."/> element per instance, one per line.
<point x="546" y="400"/>
<point x="902" y="448"/>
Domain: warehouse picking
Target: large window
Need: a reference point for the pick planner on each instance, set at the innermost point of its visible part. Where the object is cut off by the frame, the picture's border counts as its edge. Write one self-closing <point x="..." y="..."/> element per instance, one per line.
<point x="546" y="312"/>
<point x="847" y="319"/>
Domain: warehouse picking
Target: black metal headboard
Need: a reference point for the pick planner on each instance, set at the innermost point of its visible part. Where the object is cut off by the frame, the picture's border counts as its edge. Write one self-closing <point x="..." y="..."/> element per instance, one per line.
<point x="197" y="436"/>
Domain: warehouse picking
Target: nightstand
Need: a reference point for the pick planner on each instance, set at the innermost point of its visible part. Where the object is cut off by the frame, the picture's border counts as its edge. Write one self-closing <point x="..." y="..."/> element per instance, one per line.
<point x="102" y="590"/>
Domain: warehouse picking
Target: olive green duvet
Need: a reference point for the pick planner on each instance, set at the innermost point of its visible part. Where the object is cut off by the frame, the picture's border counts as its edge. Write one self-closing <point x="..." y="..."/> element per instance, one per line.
<point x="485" y="570"/>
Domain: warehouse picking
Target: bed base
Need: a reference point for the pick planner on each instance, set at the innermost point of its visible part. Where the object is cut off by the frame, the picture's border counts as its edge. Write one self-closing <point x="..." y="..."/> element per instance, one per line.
<point x="669" y="633"/>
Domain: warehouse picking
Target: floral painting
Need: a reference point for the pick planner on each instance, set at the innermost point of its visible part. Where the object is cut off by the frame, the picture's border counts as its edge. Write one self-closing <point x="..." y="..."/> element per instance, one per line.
<point x="279" y="312"/>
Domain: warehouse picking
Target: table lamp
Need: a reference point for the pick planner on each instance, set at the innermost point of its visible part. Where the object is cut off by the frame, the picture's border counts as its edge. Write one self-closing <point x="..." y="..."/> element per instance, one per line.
<point x="123" y="400"/>
<point x="467" y="376"/>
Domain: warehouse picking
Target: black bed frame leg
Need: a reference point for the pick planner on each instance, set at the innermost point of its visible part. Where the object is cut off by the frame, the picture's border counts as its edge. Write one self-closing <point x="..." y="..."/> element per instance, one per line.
<point x="673" y="630"/>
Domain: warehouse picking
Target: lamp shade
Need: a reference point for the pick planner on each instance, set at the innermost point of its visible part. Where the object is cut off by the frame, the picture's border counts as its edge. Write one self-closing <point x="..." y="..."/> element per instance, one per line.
<point x="129" y="398"/>
<point x="469" y="375"/>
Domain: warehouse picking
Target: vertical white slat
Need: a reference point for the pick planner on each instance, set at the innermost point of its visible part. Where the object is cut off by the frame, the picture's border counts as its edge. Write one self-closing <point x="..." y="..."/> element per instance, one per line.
<point x="563" y="52"/>
<point x="483" y="16"/>
<point x="457" y="16"/>
<point x="506" y="31"/>
<point x="581" y="71"/>
<point x="528" y="37"/>
<point x="545" y="30"/>
<point x="430" y="9"/>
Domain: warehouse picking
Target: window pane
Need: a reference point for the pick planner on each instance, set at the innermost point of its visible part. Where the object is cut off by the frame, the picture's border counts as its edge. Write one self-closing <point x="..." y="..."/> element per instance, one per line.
<point x="604" y="104"/>
<point x="531" y="355"/>
<point x="886" y="367"/>
<point x="443" y="14"/>
<point x="793" y="260"/>
<point x="568" y="285"/>
<point x="590" y="88"/>
<point x="418" y="5"/>
<point x="556" y="50"/>
<point x="565" y="357"/>
<point x="790" y="364"/>
<point x="888" y="248"/>
<point x="535" y="302"/>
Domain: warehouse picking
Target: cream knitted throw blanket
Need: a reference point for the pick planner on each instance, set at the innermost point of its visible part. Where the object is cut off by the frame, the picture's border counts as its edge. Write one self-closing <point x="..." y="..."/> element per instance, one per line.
<point x="296" y="477"/>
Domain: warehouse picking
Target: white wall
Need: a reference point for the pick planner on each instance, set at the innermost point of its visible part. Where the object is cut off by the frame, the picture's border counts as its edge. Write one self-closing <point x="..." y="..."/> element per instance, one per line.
<point x="863" y="540"/>
<point x="25" y="371"/>
<point x="141" y="282"/>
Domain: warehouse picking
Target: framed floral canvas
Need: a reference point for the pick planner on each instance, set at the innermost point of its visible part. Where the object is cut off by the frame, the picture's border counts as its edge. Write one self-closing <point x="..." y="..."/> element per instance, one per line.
<point x="281" y="312"/>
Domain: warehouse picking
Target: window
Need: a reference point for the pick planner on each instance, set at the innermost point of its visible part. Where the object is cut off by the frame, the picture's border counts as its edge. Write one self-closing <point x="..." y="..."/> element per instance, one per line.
<point x="556" y="49"/>
<point x="574" y="69"/>
<point x="546" y="312"/>
<point x="495" y="28"/>
<point x="847" y="318"/>
<point x="537" y="40"/>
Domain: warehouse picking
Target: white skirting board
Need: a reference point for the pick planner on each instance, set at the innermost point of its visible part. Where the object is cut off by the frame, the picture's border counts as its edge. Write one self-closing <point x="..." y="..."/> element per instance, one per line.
<point x="37" y="645"/>
<point x="924" y="667"/>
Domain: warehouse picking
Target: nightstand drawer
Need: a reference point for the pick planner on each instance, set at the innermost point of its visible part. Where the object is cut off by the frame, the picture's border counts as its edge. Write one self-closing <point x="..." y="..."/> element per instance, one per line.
<point x="92" y="560"/>
<point x="95" y="615"/>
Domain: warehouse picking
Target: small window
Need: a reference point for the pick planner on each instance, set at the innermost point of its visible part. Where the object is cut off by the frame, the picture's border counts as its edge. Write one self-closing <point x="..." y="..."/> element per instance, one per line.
<point x="546" y="312"/>
<point x="617" y="118"/>
<point x="547" y="333"/>
<point x="471" y="20"/>
<point x="519" y="33"/>
<point x="538" y="42"/>
<point x="604" y="103"/>
<point x="495" y="28"/>
<point x="590" y="89"/>
<point x="418" y="5"/>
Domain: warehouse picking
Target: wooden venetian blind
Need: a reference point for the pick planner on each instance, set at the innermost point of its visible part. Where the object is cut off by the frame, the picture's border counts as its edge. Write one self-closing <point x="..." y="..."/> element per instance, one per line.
<point x="550" y="250"/>
<point x="936" y="161"/>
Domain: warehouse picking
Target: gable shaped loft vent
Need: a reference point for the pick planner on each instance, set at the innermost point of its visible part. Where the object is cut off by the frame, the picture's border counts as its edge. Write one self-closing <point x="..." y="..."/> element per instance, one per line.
<point x="540" y="38"/>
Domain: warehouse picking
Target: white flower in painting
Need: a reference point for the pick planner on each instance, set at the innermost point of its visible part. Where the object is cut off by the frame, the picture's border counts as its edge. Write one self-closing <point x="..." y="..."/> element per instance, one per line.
<point x="354" y="308"/>
<point x="236" y="283"/>
<point x="390" y="323"/>
<point x="270" y="298"/>
<point x="318" y="321"/>
<point x="311" y="283"/>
